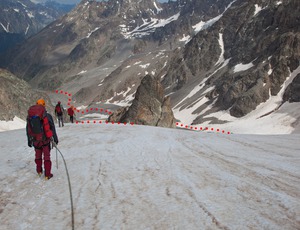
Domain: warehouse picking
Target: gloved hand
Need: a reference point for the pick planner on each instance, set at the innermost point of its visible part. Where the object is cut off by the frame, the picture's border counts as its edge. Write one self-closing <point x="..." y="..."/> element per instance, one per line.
<point x="56" y="142"/>
<point x="29" y="144"/>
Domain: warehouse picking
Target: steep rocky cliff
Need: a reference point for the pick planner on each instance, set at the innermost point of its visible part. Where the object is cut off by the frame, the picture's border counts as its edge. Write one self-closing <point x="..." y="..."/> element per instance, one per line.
<point x="239" y="61"/>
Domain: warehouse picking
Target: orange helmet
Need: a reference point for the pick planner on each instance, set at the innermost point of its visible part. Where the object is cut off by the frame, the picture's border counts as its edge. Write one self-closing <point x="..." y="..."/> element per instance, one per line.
<point x="41" y="102"/>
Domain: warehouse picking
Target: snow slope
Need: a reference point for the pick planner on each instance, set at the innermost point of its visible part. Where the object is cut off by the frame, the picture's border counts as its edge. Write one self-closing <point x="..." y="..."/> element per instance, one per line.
<point x="138" y="177"/>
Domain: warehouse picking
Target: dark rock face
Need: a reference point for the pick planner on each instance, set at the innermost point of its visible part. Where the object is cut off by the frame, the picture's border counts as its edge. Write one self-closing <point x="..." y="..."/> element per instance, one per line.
<point x="149" y="107"/>
<point x="9" y="40"/>
<point x="292" y="93"/>
<point x="261" y="35"/>
<point x="16" y="96"/>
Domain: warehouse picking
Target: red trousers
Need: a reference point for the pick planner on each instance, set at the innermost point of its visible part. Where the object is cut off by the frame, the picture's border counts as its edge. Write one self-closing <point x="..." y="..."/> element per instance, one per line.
<point x="39" y="152"/>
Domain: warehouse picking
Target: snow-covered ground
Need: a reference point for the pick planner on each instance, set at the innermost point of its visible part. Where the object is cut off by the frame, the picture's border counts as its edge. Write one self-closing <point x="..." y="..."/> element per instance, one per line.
<point x="139" y="177"/>
<point x="16" y="123"/>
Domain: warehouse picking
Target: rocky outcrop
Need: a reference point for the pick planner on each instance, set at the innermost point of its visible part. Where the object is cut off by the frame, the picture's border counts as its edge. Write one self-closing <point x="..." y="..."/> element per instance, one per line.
<point x="118" y="114"/>
<point x="149" y="107"/>
<point x="16" y="96"/>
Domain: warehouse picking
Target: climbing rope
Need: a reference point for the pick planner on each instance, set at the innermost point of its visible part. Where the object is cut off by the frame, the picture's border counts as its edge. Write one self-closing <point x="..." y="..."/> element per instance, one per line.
<point x="70" y="189"/>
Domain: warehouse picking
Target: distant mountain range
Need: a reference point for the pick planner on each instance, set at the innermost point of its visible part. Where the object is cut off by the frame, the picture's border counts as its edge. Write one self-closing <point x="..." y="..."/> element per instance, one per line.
<point x="211" y="56"/>
<point x="20" y="19"/>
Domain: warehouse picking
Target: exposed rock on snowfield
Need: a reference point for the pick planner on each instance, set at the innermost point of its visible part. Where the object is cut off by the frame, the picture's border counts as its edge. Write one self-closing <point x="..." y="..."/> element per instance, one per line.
<point x="149" y="107"/>
<point x="16" y="96"/>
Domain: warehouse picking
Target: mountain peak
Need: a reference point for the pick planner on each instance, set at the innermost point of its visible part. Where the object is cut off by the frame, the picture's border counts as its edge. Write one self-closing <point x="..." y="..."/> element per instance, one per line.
<point x="125" y="6"/>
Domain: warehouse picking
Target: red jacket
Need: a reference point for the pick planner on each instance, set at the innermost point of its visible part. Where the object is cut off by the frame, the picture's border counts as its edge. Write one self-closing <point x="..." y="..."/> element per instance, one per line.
<point x="70" y="111"/>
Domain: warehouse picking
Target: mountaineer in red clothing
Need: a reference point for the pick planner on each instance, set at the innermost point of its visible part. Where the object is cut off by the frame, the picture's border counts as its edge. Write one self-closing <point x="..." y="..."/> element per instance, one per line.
<point x="71" y="113"/>
<point x="40" y="131"/>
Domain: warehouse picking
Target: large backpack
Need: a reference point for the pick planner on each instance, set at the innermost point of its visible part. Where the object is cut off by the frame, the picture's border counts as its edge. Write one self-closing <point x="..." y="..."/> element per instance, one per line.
<point x="58" y="110"/>
<point x="70" y="111"/>
<point x="38" y="123"/>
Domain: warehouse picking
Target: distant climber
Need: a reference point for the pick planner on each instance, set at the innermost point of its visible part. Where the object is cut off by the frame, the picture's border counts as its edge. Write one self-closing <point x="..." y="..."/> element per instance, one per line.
<point x="71" y="113"/>
<point x="59" y="111"/>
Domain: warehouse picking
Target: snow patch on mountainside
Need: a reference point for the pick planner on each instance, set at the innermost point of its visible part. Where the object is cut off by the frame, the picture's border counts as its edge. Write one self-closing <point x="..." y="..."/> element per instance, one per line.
<point x="242" y="67"/>
<point x="90" y="33"/>
<point x="267" y="118"/>
<point x="187" y="115"/>
<point x="147" y="27"/>
<point x="157" y="8"/>
<point x="185" y="38"/>
<point x="5" y="28"/>
<point x="204" y="25"/>
<point x="221" y="43"/>
<point x="257" y="9"/>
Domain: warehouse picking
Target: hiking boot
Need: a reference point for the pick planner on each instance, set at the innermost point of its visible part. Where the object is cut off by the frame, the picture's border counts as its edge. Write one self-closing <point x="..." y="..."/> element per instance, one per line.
<point x="40" y="174"/>
<point x="48" y="177"/>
